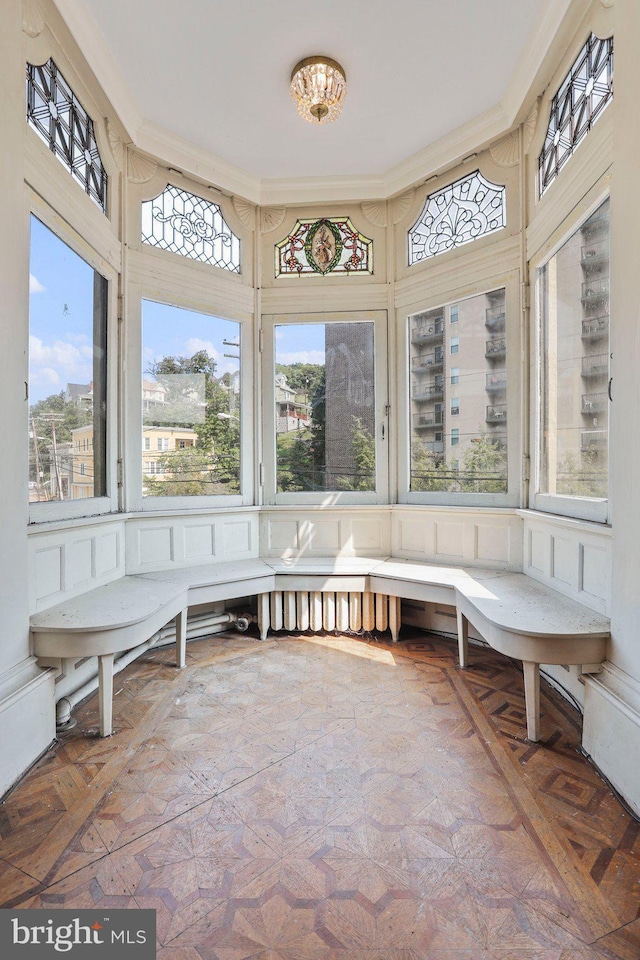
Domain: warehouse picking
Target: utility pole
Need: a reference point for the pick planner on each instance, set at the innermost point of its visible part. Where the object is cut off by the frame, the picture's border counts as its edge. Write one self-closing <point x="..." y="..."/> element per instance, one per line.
<point x="55" y="459"/>
<point x="37" y="460"/>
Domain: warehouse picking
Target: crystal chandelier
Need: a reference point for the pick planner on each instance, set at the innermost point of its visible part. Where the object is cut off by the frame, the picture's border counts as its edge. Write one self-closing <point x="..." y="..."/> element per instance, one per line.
<point x="318" y="88"/>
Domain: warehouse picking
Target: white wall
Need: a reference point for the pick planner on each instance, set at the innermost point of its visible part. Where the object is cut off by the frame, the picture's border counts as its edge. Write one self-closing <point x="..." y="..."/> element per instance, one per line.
<point x="26" y="693"/>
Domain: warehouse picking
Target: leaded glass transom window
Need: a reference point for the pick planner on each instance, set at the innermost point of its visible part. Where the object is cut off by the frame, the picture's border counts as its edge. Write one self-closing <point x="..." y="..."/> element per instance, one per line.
<point x="328" y="245"/>
<point x="56" y="114"/>
<point x="584" y="93"/>
<point x="192" y="227"/>
<point x="470" y="208"/>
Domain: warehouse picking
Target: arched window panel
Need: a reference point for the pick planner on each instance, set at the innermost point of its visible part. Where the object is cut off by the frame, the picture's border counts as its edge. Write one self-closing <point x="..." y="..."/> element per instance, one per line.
<point x="583" y="95"/>
<point x="58" y="117"/>
<point x="466" y="210"/>
<point x="192" y="227"/>
<point x="328" y="245"/>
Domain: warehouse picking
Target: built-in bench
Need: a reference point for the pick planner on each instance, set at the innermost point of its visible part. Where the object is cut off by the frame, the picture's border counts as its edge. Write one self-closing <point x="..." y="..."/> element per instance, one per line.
<point x="513" y="613"/>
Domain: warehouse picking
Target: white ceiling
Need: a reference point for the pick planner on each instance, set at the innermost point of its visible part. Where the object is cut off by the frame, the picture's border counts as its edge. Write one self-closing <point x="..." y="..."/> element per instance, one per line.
<point x="216" y="72"/>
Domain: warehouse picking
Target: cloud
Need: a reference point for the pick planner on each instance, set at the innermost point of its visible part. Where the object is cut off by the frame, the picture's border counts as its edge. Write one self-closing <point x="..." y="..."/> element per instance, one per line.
<point x="56" y="364"/>
<point x="300" y="356"/>
<point x="34" y="285"/>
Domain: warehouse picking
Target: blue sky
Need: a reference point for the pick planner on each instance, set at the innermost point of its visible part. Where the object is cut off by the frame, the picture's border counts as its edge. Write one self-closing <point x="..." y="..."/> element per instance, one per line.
<point x="61" y="324"/>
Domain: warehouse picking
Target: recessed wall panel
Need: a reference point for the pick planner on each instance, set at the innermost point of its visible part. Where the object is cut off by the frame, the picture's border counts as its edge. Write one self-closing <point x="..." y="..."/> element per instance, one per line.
<point x="449" y="539"/>
<point x="79" y="561"/>
<point x="412" y="536"/>
<point x="48" y="572"/>
<point x="284" y="535"/>
<point x="156" y="545"/>
<point x="366" y="535"/>
<point x="198" y="541"/>
<point x="595" y="572"/>
<point x="492" y="543"/>
<point x="565" y="560"/>
<point x="538" y="550"/>
<point x="236" y="537"/>
<point x="107" y="553"/>
<point x="325" y="535"/>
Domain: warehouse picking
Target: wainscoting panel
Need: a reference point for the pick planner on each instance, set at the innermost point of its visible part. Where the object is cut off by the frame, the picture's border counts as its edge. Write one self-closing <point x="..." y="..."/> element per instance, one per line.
<point x="69" y="558"/>
<point x="179" y="540"/>
<point x="325" y="532"/>
<point x="572" y="556"/>
<point x="491" y="538"/>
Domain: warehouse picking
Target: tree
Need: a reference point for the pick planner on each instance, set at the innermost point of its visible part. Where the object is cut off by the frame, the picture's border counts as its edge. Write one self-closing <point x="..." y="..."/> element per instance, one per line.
<point x="212" y="412"/>
<point x="364" y="458"/>
<point x="54" y="413"/>
<point x="484" y="467"/>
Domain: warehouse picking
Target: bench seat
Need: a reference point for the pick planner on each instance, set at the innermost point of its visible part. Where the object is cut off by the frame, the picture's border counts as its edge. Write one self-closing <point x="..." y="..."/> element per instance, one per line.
<point x="515" y="614"/>
<point x="119" y="616"/>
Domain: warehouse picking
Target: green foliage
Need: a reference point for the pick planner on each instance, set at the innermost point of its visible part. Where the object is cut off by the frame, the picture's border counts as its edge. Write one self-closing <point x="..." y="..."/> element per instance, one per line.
<point x="217" y="426"/>
<point x="582" y="476"/>
<point x="364" y="457"/>
<point x="484" y="468"/>
<point x="53" y="413"/>
<point x="304" y="378"/>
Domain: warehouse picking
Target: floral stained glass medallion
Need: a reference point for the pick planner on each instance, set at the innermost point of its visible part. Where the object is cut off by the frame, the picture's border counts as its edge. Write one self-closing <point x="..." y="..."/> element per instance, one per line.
<point x="467" y="209"/>
<point x="328" y="245"/>
<point x="192" y="227"/>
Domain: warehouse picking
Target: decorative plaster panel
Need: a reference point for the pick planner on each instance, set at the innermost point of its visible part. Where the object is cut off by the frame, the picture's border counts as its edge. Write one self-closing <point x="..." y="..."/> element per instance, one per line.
<point x="48" y="572"/>
<point x="155" y="545"/>
<point x="199" y="541"/>
<point x="237" y="538"/>
<point x="80" y="563"/>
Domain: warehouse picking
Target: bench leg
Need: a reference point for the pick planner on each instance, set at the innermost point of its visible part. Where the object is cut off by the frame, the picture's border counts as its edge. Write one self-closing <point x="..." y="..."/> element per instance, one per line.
<point x="263" y="615"/>
<point x="532" y="699"/>
<point x="105" y="693"/>
<point x="463" y="638"/>
<point x="181" y="639"/>
<point x="395" y="619"/>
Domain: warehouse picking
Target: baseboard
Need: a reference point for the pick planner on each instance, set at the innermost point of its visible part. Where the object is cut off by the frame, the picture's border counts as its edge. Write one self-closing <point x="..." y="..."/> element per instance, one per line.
<point x="27" y="719"/>
<point x="611" y="732"/>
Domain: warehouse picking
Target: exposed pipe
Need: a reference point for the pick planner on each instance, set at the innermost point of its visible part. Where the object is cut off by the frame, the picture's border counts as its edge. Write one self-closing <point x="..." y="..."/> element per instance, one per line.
<point x="199" y="627"/>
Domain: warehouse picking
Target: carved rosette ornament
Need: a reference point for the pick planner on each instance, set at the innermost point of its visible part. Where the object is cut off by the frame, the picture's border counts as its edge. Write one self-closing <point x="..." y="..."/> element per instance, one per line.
<point x="271" y="218"/>
<point x="400" y="206"/>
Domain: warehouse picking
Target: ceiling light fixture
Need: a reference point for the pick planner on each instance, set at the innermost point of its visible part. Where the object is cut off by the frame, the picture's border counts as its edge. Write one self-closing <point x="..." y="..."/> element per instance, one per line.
<point x="318" y="88"/>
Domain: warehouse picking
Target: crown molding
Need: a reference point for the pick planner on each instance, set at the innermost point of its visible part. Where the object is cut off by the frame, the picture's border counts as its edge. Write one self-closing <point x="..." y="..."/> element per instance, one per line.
<point x="553" y="25"/>
<point x="555" y="19"/>
<point x="102" y="63"/>
<point x="181" y="154"/>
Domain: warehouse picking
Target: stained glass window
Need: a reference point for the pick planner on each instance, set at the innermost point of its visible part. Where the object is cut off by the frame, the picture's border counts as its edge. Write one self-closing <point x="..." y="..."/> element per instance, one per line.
<point x="329" y="245"/>
<point x="584" y="93"/>
<point x="56" y="114"/>
<point x="465" y="210"/>
<point x="192" y="227"/>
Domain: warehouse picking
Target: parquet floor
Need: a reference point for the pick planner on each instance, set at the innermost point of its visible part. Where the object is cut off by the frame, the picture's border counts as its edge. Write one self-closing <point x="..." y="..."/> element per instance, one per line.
<point x="327" y="797"/>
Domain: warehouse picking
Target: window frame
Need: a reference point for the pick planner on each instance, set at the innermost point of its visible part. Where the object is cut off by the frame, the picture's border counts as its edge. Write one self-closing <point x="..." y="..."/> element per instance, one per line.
<point x="515" y="368"/>
<point x="88" y="506"/>
<point x="328" y="497"/>
<point x="597" y="510"/>
<point x="153" y="288"/>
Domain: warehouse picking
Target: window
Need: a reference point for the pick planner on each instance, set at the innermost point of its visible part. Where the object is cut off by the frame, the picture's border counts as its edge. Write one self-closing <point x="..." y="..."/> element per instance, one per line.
<point x="467" y="209"/>
<point x="67" y="372"/>
<point x="479" y="402"/>
<point x="182" y="223"/>
<point x="331" y="245"/>
<point x="453" y="313"/>
<point x="583" y="95"/>
<point x="325" y="407"/>
<point x="573" y="302"/>
<point x="191" y="403"/>
<point x="58" y="117"/>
